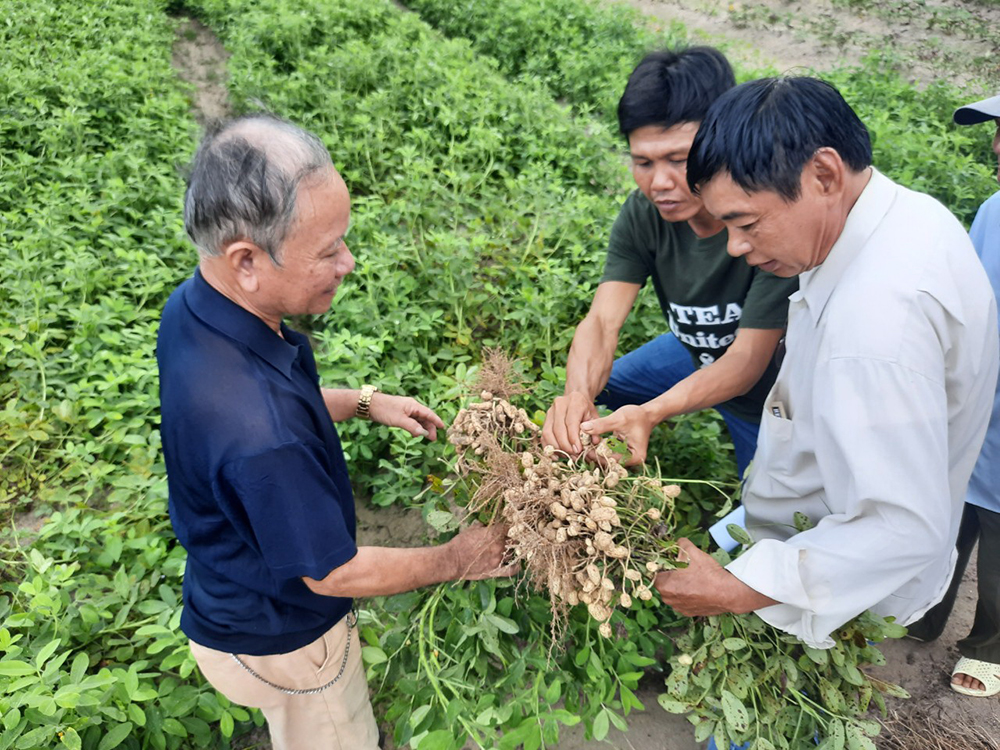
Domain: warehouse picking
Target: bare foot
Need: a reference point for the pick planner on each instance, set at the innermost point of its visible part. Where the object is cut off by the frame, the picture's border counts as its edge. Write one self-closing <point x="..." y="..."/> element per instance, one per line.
<point x="964" y="680"/>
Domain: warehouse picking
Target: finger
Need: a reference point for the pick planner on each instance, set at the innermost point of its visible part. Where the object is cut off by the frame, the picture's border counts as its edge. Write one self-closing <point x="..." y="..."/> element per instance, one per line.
<point x="637" y="456"/>
<point x="429" y="417"/>
<point x="563" y="439"/>
<point x="413" y="427"/>
<point x="430" y="426"/>
<point x="598" y="426"/>
<point x="506" y="571"/>
<point x="548" y="438"/>
<point x="686" y="544"/>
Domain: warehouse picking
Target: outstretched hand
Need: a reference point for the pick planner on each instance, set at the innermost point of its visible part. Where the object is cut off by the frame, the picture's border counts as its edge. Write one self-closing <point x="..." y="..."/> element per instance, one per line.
<point x="629" y="423"/>
<point x="406" y="413"/>
<point x="706" y="588"/>
<point x="479" y="553"/>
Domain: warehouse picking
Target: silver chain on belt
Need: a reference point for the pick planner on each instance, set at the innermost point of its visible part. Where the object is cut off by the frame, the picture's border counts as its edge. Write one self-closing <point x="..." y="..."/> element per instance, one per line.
<point x="351" y="622"/>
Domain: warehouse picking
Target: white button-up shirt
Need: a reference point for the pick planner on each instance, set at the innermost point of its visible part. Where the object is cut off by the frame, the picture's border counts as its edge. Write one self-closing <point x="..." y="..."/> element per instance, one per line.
<point x="875" y="421"/>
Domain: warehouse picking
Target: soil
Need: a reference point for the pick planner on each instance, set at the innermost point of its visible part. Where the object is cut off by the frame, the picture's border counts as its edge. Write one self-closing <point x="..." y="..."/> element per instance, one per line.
<point x="929" y="39"/>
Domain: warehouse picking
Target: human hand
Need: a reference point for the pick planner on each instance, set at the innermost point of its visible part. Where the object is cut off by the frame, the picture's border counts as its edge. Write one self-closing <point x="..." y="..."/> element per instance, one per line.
<point x="562" y="422"/>
<point x="478" y="552"/>
<point x="406" y="413"/>
<point x="706" y="588"/>
<point x="630" y="423"/>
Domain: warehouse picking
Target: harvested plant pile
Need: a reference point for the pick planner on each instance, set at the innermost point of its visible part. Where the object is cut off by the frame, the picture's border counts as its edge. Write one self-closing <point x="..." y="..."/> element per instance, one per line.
<point x="592" y="533"/>
<point x="587" y="533"/>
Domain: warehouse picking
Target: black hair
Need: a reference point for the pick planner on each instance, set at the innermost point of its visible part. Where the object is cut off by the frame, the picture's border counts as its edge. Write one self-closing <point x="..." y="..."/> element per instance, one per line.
<point x="763" y="132"/>
<point x="671" y="87"/>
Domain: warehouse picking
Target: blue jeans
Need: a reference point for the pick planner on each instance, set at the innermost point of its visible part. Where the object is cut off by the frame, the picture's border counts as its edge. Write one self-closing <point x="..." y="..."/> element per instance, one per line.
<point x="732" y="745"/>
<point x="653" y="368"/>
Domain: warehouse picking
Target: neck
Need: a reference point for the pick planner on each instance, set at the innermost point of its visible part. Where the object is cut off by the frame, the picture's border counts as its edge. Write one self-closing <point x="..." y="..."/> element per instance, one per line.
<point x="703" y="224"/>
<point x="854" y="185"/>
<point x="228" y="287"/>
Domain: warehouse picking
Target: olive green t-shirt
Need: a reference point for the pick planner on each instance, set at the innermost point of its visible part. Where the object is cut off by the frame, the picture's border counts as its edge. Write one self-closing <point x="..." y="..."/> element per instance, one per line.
<point x="705" y="294"/>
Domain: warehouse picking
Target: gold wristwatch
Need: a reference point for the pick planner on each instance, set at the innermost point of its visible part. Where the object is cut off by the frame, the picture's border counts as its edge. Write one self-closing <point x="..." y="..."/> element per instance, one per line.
<point x="365" y="402"/>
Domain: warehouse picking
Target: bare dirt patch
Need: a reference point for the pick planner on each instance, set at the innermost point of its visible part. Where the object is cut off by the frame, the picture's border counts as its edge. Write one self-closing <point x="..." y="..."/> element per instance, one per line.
<point x="924" y="40"/>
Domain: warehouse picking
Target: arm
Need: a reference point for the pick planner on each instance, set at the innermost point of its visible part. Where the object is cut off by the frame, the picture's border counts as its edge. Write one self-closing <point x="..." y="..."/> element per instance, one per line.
<point x="394" y="411"/>
<point x="475" y="553"/>
<point x="589" y="364"/>
<point x="882" y="475"/>
<point x="733" y="374"/>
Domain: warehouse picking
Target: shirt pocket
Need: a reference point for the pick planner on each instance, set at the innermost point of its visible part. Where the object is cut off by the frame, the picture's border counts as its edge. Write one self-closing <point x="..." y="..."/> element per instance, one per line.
<point x="775" y="454"/>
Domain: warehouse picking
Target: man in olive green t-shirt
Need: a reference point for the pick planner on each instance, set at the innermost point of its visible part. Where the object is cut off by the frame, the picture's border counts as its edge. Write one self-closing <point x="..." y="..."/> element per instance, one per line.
<point x="726" y="317"/>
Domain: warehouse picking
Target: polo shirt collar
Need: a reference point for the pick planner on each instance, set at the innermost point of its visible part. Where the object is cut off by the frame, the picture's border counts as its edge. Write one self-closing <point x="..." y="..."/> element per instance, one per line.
<point x="221" y="313"/>
<point x="817" y="284"/>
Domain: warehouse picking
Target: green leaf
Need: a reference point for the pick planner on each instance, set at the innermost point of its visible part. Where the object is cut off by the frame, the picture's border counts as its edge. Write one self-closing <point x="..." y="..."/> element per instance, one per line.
<point x="226" y="724"/>
<point x="857" y="740"/>
<point x="115" y="736"/>
<point x="734" y="644"/>
<point x="70" y="739"/>
<point x="618" y="721"/>
<point x="817" y="655"/>
<point x="735" y="712"/>
<point x="373" y="655"/>
<point x="439" y="739"/>
<point x="601" y="725"/>
<point x="739" y="534"/>
<point x="174" y="727"/>
<point x="801" y="521"/>
<point x="418" y="715"/>
<point x="14" y="668"/>
<point x="835" y="736"/>
<point x="703" y="730"/>
<point x="136" y="714"/>
<point x="46" y="651"/>
<point x="503" y="624"/>
<point x="80" y="663"/>
<point x="554" y="691"/>
<point x="672" y="706"/>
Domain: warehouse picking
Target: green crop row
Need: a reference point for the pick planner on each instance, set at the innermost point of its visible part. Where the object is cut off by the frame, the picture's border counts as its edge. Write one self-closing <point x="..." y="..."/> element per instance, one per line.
<point x="480" y="216"/>
<point x="583" y="52"/>
<point x="93" y="129"/>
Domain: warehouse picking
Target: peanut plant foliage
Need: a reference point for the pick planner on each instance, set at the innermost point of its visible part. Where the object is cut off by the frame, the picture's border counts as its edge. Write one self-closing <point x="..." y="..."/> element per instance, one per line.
<point x="479" y="145"/>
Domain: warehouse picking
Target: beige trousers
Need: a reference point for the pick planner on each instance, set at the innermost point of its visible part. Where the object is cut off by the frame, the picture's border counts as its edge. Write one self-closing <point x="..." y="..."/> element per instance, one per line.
<point x="338" y="718"/>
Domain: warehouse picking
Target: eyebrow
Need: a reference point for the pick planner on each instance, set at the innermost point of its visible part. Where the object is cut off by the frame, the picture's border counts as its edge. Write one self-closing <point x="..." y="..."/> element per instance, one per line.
<point x="734" y="215"/>
<point x="334" y="244"/>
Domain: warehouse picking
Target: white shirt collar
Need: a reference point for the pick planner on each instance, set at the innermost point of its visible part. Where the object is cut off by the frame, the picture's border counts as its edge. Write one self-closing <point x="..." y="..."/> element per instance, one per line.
<point x="817" y="284"/>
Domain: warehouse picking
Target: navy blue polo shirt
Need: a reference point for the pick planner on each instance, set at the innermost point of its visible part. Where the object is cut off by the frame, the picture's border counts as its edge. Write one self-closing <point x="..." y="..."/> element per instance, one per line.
<point x="259" y="492"/>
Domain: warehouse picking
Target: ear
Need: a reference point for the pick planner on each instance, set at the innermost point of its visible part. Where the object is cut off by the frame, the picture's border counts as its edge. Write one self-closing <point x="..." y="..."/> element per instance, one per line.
<point x="826" y="172"/>
<point x="244" y="259"/>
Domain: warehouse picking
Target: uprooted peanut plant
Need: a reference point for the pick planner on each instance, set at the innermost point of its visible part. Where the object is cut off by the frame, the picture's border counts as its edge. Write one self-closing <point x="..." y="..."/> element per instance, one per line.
<point x="590" y="532"/>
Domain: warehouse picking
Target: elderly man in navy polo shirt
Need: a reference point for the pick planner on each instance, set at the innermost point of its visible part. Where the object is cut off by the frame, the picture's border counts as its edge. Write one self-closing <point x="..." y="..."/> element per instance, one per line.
<point x="259" y="490"/>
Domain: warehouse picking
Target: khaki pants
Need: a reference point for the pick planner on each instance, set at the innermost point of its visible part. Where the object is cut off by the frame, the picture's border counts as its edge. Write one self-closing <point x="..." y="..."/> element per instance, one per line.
<point x="338" y="718"/>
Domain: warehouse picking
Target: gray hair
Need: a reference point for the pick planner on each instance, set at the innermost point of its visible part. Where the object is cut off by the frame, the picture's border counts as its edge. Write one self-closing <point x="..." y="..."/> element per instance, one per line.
<point x="244" y="180"/>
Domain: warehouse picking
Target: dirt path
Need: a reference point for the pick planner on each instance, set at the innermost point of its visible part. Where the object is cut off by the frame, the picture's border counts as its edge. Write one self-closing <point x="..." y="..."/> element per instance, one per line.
<point x="926" y="38"/>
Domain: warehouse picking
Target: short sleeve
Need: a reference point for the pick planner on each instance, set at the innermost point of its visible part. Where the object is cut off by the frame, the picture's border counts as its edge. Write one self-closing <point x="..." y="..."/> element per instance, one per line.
<point x="766" y="304"/>
<point x="628" y="260"/>
<point x="287" y="506"/>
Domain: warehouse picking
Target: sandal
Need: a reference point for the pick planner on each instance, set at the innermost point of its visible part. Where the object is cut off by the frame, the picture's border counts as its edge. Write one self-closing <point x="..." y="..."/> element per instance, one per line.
<point x="984" y="671"/>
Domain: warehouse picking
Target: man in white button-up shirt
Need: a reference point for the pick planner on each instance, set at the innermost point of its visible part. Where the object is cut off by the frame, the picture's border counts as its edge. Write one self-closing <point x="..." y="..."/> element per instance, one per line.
<point x="880" y="407"/>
